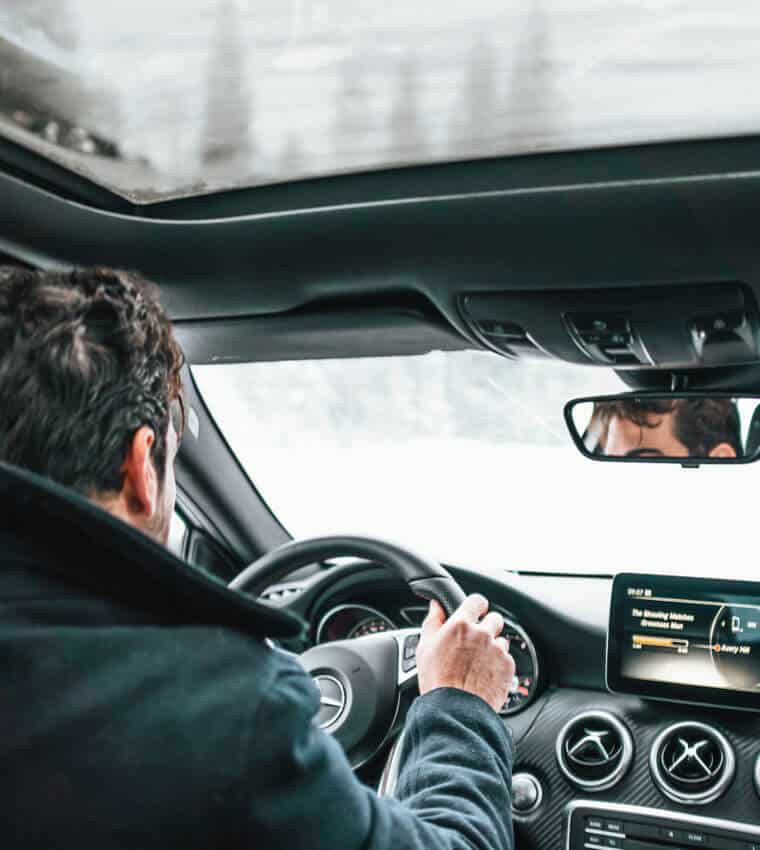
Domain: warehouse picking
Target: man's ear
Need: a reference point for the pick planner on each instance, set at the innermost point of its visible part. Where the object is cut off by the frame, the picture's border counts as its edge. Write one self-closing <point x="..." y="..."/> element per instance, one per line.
<point x="722" y="450"/>
<point x="141" y="485"/>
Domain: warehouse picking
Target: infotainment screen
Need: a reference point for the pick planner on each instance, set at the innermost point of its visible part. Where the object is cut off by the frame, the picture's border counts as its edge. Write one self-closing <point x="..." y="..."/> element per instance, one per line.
<point x="686" y="639"/>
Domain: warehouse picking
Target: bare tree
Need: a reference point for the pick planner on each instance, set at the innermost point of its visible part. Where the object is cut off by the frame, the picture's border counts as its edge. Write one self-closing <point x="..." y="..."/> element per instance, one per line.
<point x="292" y="162"/>
<point x="50" y="17"/>
<point x="407" y="137"/>
<point x="533" y="104"/>
<point x="353" y="124"/>
<point x="227" y="127"/>
<point x="473" y="126"/>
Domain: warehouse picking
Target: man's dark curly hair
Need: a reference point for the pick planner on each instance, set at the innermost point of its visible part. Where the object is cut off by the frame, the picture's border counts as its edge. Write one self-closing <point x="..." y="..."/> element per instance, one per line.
<point x="87" y="357"/>
<point x="700" y="423"/>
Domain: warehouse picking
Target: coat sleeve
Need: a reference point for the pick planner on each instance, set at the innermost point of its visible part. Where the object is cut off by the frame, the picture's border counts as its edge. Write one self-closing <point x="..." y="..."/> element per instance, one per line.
<point x="453" y="791"/>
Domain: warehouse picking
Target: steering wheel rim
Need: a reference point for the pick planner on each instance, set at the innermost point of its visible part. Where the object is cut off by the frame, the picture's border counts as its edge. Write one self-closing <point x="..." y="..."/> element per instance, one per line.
<point x="426" y="578"/>
<point x="361" y="680"/>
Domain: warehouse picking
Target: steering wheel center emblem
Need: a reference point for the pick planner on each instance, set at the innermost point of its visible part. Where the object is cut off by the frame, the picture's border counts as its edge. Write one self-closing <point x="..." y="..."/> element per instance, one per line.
<point x="332" y="701"/>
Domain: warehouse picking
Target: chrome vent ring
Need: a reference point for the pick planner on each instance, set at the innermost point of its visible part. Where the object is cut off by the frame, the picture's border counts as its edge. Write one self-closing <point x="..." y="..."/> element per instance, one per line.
<point x="594" y="750"/>
<point x="692" y="763"/>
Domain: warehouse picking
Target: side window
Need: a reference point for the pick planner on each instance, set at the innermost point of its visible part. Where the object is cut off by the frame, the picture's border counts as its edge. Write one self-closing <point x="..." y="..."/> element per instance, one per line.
<point x="177" y="535"/>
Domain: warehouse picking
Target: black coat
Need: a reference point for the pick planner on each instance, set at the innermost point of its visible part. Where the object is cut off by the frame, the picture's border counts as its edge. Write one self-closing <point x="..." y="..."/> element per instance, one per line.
<point x="140" y="707"/>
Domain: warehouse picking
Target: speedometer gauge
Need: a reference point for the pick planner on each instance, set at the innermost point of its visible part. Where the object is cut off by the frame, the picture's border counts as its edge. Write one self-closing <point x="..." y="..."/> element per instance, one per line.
<point x="371" y="626"/>
<point x="525" y="682"/>
<point x="345" y="622"/>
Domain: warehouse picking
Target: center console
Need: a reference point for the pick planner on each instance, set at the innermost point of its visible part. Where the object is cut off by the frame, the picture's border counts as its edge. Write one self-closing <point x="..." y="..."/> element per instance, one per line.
<point x="593" y="825"/>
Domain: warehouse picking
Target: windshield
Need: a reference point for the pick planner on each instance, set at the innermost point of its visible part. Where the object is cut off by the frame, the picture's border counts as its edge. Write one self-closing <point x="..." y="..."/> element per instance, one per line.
<point x="465" y="456"/>
<point x="155" y="100"/>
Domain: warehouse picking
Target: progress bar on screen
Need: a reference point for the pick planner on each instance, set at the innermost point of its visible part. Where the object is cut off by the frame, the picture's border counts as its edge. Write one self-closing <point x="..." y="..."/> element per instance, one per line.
<point x="679" y="645"/>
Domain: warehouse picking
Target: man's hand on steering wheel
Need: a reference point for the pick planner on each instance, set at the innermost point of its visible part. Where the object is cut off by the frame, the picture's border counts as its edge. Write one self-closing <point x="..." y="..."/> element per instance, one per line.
<point x="466" y="652"/>
<point x="361" y="680"/>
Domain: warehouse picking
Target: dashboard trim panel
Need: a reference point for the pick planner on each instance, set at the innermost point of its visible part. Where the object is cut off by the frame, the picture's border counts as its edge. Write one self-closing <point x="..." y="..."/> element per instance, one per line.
<point x="662" y="814"/>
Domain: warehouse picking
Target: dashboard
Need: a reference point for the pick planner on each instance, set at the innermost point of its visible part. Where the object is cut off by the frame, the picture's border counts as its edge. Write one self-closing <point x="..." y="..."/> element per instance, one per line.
<point x="591" y="763"/>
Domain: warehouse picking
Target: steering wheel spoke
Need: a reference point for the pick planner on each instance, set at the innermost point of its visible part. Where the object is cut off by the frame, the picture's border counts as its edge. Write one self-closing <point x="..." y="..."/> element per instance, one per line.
<point x="360" y="681"/>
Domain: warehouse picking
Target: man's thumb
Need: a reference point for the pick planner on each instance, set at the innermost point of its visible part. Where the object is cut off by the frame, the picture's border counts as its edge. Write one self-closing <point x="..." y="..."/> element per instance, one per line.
<point x="436" y="617"/>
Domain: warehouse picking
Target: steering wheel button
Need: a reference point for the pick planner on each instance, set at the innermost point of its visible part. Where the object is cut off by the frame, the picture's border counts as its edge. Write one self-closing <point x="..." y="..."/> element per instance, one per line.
<point x="410" y="646"/>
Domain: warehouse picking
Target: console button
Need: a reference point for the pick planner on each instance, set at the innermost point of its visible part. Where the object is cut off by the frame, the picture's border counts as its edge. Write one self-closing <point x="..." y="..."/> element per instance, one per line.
<point x="591" y="838"/>
<point x="642" y="830"/>
<point x="670" y="834"/>
<point x="613" y="826"/>
<point x="642" y="845"/>
<point x="720" y="843"/>
<point x="526" y="793"/>
<point x="616" y="843"/>
<point x="594" y="823"/>
<point x="692" y="836"/>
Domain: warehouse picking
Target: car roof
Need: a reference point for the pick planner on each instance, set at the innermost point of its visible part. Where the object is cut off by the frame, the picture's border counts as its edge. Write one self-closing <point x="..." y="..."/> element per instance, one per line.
<point x="383" y="263"/>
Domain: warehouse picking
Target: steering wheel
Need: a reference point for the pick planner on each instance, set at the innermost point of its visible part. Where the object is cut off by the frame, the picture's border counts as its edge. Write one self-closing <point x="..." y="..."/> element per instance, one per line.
<point x="360" y="681"/>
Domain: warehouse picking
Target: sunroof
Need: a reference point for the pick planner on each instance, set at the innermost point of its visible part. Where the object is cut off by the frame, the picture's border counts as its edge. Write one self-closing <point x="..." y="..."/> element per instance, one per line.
<point x="162" y="99"/>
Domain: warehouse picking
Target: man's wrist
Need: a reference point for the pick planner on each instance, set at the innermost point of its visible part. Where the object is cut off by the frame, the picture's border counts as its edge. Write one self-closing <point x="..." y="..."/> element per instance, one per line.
<point x="472" y="708"/>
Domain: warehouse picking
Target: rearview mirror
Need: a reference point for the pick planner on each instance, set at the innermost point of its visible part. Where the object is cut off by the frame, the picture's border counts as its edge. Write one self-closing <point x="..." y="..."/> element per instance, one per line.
<point x="685" y="428"/>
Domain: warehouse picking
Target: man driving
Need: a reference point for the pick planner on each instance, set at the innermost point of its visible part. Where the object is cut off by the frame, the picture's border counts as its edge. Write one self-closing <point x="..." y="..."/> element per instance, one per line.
<point x="129" y="716"/>
<point x="676" y="427"/>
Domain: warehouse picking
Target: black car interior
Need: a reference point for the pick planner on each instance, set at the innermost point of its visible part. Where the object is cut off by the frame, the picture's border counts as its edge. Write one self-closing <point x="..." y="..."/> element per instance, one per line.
<point x="642" y="259"/>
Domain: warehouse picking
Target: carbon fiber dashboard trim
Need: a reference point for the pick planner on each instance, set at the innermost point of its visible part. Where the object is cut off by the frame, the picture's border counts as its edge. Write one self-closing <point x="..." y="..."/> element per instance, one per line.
<point x="543" y="830"/>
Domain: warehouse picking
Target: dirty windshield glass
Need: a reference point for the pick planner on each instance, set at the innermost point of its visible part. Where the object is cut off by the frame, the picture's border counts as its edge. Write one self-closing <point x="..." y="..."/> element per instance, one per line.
<point x="466" y="456"/>
<point x="181" y="97"/>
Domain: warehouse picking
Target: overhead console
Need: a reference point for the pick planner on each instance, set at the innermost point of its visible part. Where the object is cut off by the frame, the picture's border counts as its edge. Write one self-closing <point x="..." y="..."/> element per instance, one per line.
<point x="627" y="328"/>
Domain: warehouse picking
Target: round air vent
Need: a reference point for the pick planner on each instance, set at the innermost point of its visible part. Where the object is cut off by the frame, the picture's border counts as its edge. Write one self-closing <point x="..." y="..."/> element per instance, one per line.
<point x="594" y="750"/>
<point x="692" y="763"/>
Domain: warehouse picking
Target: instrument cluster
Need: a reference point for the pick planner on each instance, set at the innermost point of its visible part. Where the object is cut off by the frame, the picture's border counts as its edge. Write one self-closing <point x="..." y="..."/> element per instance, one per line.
<point x="353" y="620"/>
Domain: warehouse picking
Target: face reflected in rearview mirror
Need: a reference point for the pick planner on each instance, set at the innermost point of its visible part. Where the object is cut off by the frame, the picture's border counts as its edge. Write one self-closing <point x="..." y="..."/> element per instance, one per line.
<point x="680" y="427"/>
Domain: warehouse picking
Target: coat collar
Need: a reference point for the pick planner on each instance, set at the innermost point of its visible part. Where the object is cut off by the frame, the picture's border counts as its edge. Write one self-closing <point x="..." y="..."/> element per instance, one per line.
<point x="99" y="551"/>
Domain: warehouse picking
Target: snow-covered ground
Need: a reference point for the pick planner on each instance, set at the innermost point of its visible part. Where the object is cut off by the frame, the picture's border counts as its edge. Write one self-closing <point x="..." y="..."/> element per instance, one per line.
<point x="519" y="507"/>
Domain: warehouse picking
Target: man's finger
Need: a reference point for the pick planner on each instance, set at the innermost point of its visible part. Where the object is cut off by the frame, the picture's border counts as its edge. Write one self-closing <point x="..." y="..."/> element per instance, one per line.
<point x="436" y="617"/>
<point x="493" y="623"/>
<point x="472" y="609"/>
<point x="504" y="644"/>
